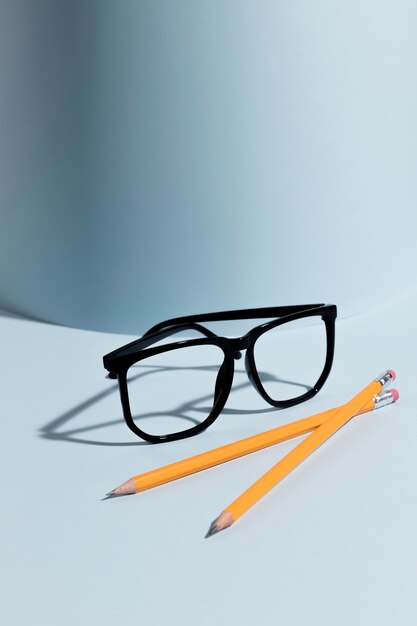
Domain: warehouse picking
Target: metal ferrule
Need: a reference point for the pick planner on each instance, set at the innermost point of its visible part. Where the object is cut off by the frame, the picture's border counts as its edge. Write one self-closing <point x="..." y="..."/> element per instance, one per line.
<point x="383" y="398"/>
<point x="385" y="378"/>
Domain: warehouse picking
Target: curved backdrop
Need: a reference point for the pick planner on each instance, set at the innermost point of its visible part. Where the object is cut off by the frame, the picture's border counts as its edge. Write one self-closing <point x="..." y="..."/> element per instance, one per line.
<point x="166" y="157"/>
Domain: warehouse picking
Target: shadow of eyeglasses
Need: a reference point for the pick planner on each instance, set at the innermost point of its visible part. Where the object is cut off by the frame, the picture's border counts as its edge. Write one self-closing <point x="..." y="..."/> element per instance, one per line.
<point x="51" y="429"/>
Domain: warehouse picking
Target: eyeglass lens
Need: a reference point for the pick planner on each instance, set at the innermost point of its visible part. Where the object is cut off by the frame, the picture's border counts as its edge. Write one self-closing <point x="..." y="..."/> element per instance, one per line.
<point x="175" y="390"/>
<point x="290" y="358"/>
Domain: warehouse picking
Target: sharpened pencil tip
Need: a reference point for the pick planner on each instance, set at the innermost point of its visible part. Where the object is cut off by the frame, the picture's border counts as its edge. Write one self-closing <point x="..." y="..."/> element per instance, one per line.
<point x="224" y="520"/>
<point x="114" y="493"/>
<point x="212" y="530"/>
<point x="125" y="489"/>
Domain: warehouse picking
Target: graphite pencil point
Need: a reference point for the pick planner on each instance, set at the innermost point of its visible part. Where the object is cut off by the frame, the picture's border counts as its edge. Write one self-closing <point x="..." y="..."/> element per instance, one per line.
<point x="125" y="489"/>
<point x="224" y="520"/>
<point x="212" y="530"/>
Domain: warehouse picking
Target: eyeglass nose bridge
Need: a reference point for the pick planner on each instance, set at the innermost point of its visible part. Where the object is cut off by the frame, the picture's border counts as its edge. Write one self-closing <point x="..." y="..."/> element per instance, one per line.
<point x="237" y="345"/>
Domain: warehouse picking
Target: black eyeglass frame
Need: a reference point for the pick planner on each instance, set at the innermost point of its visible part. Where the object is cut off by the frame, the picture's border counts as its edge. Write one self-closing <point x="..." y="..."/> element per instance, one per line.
<point x="119" y="361"/>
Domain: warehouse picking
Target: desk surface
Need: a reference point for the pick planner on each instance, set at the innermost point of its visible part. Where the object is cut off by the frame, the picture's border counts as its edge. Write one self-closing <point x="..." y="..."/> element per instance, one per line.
<point x="334" y="543"/>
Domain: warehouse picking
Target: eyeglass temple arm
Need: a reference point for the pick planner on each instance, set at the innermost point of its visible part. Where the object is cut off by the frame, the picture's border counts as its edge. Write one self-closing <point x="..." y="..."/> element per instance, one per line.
<point x="240" y="314"/>
<point x="157" y="333"/>
<point x="175" y="325"/>
<point x="175" y="328"/>
<point x="165" y="329"/>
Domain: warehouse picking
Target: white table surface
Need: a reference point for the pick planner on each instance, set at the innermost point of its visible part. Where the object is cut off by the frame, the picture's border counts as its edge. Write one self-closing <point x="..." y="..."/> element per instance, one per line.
<point x="335" y="543"/>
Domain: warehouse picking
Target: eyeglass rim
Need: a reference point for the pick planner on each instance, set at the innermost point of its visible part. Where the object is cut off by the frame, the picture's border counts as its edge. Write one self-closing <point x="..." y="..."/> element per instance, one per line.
<point x="118" y="363"/>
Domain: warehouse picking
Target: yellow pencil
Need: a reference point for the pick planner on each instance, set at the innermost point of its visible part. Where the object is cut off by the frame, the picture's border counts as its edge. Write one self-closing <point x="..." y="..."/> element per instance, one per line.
<point x="203" y="461"/>
<point x="259" y="488"/>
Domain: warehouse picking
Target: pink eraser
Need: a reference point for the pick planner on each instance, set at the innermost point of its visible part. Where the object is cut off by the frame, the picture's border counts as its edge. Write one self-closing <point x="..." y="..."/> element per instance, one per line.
<point x="395" y="394"/>
<point x="393" y="374"/>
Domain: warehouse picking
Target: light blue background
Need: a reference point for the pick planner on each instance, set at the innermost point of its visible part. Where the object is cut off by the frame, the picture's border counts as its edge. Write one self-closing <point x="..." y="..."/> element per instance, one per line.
<point x="159" y="158"/>
<point x="168" y="157"/>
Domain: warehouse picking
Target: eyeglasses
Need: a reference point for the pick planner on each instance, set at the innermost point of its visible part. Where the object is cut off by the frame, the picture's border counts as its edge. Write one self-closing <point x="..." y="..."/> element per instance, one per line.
<point x="175" y="389"/>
